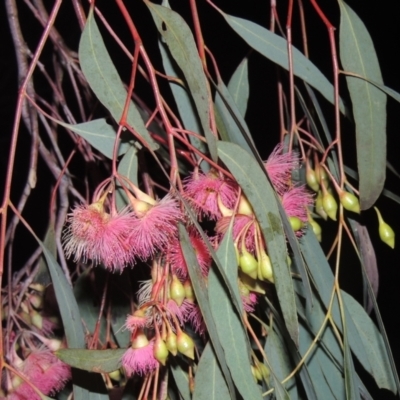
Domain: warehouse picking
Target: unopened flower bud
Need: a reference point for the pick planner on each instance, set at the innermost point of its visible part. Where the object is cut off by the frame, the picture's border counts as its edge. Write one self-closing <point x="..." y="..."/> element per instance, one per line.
<point x="248" y="264"/>
<point x="160" y="351"/>
<point x="115" y="375"/>
<point x="311" y="178"/>
<point x="256" y="373"/>
<point x="319" y="208"/>
<point x="330" y="205"/>
<point x="296" y="223"/>
<point x="265" y="267"/>
<point x="322" y="176"/>
<point x="386" y="233"/>
<point x="36" y="300"/>
<point x="315" y="227"/>
<point x="225" y="211"/>
<point x="185" y="345"/>
<point x="177" y="291"/>
<point x="189" y="294"/>
<point x="349" y="201"/>
<point x="244" y="206"/>
<point x="264" y="370"/>
<point x="171" y="343"/>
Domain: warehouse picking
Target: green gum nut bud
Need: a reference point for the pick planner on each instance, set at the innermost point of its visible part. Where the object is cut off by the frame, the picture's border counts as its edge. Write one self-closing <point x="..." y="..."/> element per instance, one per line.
<point x="160" y="351"/>
<point x="248" y="264"/>
<point x="264" y="370"/>
<point x="296" y="223"/>
<point x="171" y="343"/>
<point x="189" y="294"/>
<point x="256" y="373"/>
<point x="316" y="228"/>
<point x="265" y="267"/>
<point x="349" y="201"/>
<point x="386" y="233"/>
<point x="177" y="290"/>
<point x="311" y="178"/>
<point x="244" y="206"/>
<point x="330" y="205"/>
<point x="322" y="176"/>
<point x="185" y="345"/>
<point x="319" y="208"/>
<point x="115" y="375"/>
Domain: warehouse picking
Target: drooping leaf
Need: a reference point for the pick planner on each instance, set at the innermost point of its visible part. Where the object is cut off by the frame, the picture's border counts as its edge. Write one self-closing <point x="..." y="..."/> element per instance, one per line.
<point x="184" y="102"/>
<point x="274" y="47"/>
<point x="229" y="324"/>
<point x="210" y="383"/>
<point x="201" y="293"/>
<point x="43" y="274"/>
<point x="350" y="380"/>
<point x="281" y="366"/>
<point x="85" y="386"/>
<point x="181" y="44"/>
<point x="105" y="82"/>
<point x="234" y="127"/>
<point x="373" y="344"/>
<point x="357" y="54"/>
<point x="128" y="167"/>
<point x="100" y="361"/>
<point x="181" y="379"/>
<point x="239" y="87"/>
<point x="262" y="198"/>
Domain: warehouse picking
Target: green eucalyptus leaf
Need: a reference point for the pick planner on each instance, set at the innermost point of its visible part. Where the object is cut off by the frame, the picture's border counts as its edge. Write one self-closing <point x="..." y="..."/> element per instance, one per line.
<point x="373" y="344"/>
<point x="182" y="46"/>
<point x="201" y="293"/>
<point x="100" y="361"/>
<point x="350" y="376"/>
<point x="43" y="274"/>
<point x="184" y="102"/>
<point x="274" y="47"/>
<point x="128" y="167"/>
<point x="210" y="383"/>
<point x="231" y="331"/>
<point x="234" y="127"/>
<point x="357" y="54"/>
<point x="239" y="87"/>
<point x="281" y="366"/>
<point x="100" y="135"/>
<point x="89" y="311"/>
<point x="105" y="82"/>
<point x="181" y="379"/>
<point x="262" y="198"/>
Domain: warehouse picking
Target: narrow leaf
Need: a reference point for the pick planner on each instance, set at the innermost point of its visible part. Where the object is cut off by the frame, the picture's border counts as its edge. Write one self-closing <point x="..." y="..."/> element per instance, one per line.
<point x="181" y="379"/>
<point x="100" y="361"/>
<point x="262" y="198"/>
<point x="229" y="325"/>
<point x="210" y="383"/>
<point x="238" y="86"/>
<point x="105" y="82"/>
<point x="200" y="290"/>
<point x="274" y="47"/>
<point x="182" y="46"/>
<point x="357" y="54"/>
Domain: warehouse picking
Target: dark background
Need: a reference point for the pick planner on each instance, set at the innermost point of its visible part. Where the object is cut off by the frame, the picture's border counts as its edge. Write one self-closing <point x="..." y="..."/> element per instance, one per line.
<point x="383" y="24"/>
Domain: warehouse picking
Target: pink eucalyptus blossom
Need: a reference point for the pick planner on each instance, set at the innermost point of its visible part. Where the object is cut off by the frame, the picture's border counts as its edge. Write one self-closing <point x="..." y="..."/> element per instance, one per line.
<point x="155" y="227"/>
<point x="177" y="260"/>
<point x="204" y="190"/>
<point x="139" y="360"/>
<point x="295" y="202"/>
<point x="280" y="166"/>
<point x="195" y="318"/>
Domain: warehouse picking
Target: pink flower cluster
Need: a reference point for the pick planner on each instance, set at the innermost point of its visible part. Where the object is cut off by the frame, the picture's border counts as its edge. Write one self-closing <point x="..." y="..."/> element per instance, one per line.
<point x="118" y="239"/>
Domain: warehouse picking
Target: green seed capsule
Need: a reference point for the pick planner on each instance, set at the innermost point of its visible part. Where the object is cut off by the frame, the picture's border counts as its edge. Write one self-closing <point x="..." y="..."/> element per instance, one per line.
<point x="171" y="343"/>
<point x="248" y="264"/>
<point x="296" y="223"/>
<point x="330" y="205"/>
<point x="185" y="345"/>
<point x="265" y="267"/>
<point x="349" y="202"/>
<point x="160" y="351"/>
<point x="316" y="228"/>
<point x="177" y="290"/>
<point x="311" y="178"/>
<point x="386" y="233"/>
<point x="319" y="208"/>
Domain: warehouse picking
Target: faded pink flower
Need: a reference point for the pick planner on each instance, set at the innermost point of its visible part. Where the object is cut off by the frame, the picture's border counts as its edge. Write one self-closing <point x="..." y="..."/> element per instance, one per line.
<point x="94" y="234"/>
<point x="280" y="166"/>
<point x="177" y="260"/>
<point x="155" y="227"/>
<point x="203" y="190"/>
<point x="139" y="360"/>
<point x="138" y="320"/>
<point x="249" y="302"/>
<point x="45" y="371"/>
